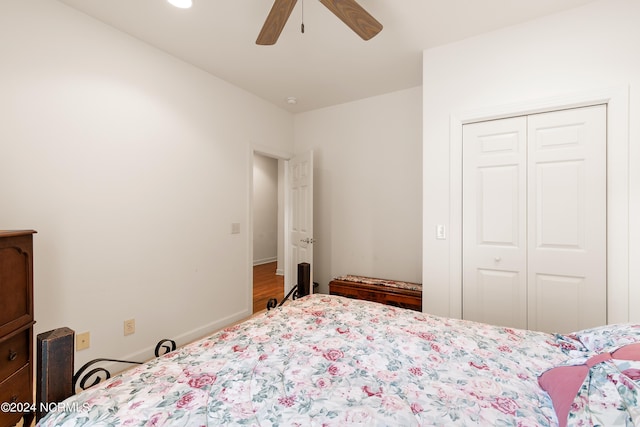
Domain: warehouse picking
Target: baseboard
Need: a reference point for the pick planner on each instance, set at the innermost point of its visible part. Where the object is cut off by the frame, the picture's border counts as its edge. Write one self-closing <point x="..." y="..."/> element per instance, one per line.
<point x="280" y="272"/>
<point x="264" y="261"/>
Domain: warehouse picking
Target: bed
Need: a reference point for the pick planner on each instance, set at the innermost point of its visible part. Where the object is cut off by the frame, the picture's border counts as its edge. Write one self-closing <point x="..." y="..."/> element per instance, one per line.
<point x="331" y="361"/>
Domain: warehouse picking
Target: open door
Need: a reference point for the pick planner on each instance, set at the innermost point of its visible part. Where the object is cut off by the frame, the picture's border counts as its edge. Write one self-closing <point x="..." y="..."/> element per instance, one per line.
<point x="300" y="218"/>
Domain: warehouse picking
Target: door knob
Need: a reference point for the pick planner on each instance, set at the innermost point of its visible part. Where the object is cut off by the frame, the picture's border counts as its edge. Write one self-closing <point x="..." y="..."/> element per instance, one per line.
<point x="307" y="240"/>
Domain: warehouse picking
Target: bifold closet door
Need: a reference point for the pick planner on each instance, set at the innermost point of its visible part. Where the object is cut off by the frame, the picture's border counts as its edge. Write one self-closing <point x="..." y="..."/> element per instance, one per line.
<point x="534" y="220"/>
<point x="494" y="227"/>
<point x="567" y="219"/>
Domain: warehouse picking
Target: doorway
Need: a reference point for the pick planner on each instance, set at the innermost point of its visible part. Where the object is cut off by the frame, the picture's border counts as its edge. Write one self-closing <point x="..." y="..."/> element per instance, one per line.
<point x="268" y="229"/>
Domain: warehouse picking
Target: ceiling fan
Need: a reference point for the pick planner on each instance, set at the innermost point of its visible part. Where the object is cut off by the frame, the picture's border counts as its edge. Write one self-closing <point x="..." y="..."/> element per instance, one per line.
<point x="350" y="12"/>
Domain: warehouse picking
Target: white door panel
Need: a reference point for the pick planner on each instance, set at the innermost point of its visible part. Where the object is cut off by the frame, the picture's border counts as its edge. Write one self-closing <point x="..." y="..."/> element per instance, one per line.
<point x="301" y="222"/>
<point x="559" y="205"/>
<point x="562" y="296"/>
<point x="498" y="205"/>
<point x="500" y="288"/>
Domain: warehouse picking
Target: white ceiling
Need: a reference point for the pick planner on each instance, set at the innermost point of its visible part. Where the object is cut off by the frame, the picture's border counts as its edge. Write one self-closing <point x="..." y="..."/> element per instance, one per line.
<point x="328" y="64"/>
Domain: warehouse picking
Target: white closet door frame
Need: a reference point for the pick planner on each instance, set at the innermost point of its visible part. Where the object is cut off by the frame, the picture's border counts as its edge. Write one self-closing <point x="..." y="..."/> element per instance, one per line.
<point x="619" y="293"/>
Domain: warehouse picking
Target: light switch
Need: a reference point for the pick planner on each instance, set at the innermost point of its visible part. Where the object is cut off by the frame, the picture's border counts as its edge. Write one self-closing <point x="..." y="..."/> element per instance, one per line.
<point x="235" y="228"/>
<point x="441" y="232"/>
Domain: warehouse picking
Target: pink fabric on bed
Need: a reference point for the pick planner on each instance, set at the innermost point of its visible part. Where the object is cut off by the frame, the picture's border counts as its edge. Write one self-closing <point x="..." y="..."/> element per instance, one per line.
<point x="628" y="352"/>
<point x="562" y="383"/>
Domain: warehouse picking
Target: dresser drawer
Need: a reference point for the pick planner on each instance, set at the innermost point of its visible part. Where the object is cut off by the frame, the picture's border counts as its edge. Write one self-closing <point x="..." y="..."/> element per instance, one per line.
<point x="14" y="353"/>
<point x="403" y="301"/>
<point x="16" y="389"/>
<point x="16" y="282"/>
<point x="378" y="292"/>
<point x="344" y="291"/>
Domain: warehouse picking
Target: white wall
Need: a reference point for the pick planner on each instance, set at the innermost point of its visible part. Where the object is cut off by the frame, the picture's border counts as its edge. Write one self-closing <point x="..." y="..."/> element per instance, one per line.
<point x="265" y="209"/>
<point x="589" y="52"/>
<point x="367" y="186"/>
<point x="131" y="165"/>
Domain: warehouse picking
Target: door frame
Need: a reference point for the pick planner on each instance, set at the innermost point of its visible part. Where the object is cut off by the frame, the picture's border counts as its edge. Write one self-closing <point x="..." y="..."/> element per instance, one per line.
<point x="619" y="293"/>
<point x="280" y="155"/>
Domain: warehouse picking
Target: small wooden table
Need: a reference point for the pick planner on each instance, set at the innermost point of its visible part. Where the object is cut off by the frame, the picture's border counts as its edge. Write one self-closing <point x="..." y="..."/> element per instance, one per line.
<point x="389" y="292"/>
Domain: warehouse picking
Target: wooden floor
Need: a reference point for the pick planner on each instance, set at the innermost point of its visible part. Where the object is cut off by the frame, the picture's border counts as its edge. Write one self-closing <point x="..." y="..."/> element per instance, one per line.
<point x="266" y="285"/>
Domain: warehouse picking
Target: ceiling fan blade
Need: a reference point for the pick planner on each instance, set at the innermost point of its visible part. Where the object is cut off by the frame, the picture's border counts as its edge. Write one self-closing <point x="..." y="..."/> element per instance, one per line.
<point x="274" y="24"/>
<point x="356" y="18"/>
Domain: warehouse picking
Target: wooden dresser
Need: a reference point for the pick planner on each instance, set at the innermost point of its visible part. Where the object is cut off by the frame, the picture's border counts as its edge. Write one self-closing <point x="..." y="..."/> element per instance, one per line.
<point x="16" y="325"/>
<point x="389" y="292"/>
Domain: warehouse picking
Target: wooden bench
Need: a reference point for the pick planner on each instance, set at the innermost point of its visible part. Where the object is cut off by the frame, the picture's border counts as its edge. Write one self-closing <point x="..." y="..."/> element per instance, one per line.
<point x="389" y="292"/>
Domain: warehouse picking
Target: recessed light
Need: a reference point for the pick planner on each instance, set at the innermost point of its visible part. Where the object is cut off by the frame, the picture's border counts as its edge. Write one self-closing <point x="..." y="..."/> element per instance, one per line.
<point x="292" y="100"/>
<point x="182" y="4"/>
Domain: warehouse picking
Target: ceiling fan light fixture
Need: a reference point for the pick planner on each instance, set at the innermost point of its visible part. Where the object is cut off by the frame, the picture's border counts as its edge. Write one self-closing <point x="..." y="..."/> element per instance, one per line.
<point x="349" y="12"/>
<point x="182" y="4"/>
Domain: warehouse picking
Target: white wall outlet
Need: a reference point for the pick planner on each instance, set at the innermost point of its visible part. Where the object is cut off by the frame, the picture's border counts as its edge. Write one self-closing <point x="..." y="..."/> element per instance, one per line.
<point x="441" y="232"/>
<point x="83" y="341"/>
<point x="129" y="326"/>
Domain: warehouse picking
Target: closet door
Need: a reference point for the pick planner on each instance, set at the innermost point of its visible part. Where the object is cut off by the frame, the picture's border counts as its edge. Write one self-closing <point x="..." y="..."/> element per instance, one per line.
<point x="494" y="224"/>
<point x="567" y="216"/>
<point x="534" y="220"/>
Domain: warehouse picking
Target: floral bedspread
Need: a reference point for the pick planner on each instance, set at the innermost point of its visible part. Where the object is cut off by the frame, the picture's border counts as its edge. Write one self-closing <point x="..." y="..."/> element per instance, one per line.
<point x="330" y="361"/>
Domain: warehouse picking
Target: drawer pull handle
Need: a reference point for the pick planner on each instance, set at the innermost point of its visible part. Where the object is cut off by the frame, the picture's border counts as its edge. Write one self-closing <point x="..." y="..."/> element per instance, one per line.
<point x="12" y="355"/>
